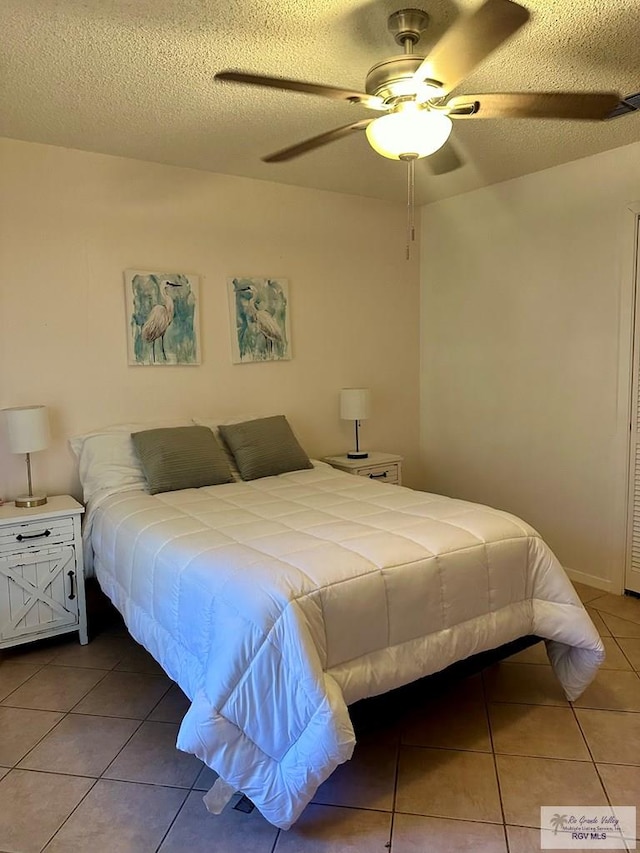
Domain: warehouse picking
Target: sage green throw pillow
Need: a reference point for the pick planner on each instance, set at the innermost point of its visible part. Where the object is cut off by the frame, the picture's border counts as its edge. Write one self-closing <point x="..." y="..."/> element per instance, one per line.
<point x="264" y="447"/>
<point x="181" y="458"/>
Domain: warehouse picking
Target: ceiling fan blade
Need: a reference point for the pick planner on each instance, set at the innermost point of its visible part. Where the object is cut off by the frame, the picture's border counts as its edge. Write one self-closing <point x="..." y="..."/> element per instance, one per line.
<point x="444" y="160"/>
<point x="470" y="40"/>
<point x="333" y="92"/>
<point x="575" y="105"/>
<point x="316" y="141"/>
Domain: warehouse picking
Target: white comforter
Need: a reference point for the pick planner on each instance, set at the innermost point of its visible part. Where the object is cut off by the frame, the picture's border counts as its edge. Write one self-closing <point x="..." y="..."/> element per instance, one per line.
<point x="276" y="603"/>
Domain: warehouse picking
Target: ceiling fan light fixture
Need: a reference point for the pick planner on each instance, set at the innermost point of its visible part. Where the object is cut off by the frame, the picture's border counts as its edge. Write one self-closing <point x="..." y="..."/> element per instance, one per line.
<point x="411" y="131"/>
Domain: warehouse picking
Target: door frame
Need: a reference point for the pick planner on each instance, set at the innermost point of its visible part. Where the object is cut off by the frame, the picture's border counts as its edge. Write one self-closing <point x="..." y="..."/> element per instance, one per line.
<point x="628" y="347"/>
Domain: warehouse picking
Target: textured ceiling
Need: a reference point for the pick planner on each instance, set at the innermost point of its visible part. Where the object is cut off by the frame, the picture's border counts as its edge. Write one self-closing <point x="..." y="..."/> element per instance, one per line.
<point x="135" y="78"/>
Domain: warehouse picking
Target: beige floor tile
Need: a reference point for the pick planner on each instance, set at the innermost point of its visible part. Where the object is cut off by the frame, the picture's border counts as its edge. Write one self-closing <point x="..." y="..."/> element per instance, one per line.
<point x="615" y="658"/>
<point x="124" y="694"/>
<point x="171" y="708"/>
<point x="151" y="756"/>
<point x="54" y="688"/>
<point x="622" y="606"/>
<point x="613" y="736"/>
<point x="119" y="817"/>
<point x="524" y="684"/>
<point x="138" y="659"/>
<point x="331" y="829"/>
<point x="612" y="690"/>
<point x="532" y="654"/>
<point x="25" y="825"/>
<point x="232" y="831"/>
<point x="21" y="729"/>
<point x="418" y="834"/>
<point x="205" y="779"/>
<point x="4" y="771"/>
<point x="586" y="593"/>
<point x="523" y="839"/>
<point x="13" y="674"/>
<point x="621" y="627"/>
<point x="631" y="648"/>
<point x="456" y="721"/>
<point x="537" y="730"/>
<point x="39" y="653"/>
<point x="448" y="783"/>
<point x="367" y="781"/>
<point x="622" y="784"/>
<point x="80" y="745"/>
<point x="600" y="625"/>
<point x="103" y="652"/>
<point x="528" y="783"/>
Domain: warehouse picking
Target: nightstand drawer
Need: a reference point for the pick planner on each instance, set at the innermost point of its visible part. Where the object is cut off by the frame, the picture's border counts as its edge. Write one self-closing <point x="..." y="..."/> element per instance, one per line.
<point x="39" y="533"/>
<point x="382" y="473"/>
<point x="378" y="467"/>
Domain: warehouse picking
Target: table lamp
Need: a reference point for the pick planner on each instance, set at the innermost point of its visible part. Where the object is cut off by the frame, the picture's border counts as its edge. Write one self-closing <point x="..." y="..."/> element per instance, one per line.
<point x="28" y="431"/>
<point x="354" y="406"/>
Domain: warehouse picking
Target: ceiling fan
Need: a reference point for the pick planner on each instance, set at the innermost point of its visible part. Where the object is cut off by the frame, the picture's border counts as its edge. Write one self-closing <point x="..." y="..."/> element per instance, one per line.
<point x="411" y="91"/>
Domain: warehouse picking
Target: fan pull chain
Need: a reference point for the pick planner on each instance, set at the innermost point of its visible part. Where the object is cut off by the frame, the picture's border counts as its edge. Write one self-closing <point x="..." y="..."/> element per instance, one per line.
<point x="411" y="183"/>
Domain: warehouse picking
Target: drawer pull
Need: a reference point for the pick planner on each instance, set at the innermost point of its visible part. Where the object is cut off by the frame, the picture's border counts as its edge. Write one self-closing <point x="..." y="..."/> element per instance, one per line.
<point x="378" y="476"/>
<point x="22" y="536"/>
<point x="72" y="593"/>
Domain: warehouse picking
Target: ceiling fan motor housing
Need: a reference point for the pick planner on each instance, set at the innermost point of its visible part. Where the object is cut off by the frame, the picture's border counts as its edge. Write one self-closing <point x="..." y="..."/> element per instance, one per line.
<point x="393" y="78"/>
<point x="393" y="70"/>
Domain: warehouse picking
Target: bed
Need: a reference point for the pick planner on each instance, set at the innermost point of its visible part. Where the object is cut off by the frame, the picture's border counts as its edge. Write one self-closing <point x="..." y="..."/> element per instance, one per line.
<point x="276" y="602"/>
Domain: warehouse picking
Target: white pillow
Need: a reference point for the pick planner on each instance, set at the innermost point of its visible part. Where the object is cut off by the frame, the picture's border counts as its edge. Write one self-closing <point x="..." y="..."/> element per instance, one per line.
<point x="107" y="461"/>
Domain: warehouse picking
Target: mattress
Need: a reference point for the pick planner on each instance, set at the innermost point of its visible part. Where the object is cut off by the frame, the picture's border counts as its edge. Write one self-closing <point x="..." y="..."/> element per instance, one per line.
<point x="276" y="603"/>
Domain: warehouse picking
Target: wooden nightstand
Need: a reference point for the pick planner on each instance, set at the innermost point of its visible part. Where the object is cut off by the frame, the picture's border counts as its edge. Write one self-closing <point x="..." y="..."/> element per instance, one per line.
<point x="382" y="467"/>
<point x="41" y="572"/>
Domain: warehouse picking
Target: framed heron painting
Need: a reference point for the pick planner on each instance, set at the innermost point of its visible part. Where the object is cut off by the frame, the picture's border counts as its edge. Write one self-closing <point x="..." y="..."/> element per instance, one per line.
<point x="260" y="326"/>
<point x="162" y="318"/>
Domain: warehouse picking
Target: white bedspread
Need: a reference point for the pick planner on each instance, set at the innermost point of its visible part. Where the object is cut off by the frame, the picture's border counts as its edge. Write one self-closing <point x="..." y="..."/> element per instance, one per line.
<point x="276" y="603"/>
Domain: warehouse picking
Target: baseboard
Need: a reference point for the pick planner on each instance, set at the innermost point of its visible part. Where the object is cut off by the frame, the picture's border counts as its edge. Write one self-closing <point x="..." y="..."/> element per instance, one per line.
<point x="592" y="580"/>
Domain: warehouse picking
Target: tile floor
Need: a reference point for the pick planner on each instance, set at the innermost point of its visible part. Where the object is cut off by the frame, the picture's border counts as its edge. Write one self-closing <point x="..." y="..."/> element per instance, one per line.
<point x="459" y="762"/>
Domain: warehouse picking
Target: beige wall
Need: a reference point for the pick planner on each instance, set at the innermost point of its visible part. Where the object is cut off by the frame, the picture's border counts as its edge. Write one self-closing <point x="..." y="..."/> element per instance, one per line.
<point x="525" y="305"/>
<point x="70" y="224"/>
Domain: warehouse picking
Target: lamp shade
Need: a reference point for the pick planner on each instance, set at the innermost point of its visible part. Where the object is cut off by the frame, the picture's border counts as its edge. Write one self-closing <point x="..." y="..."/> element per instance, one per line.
<point x="411" y="132"/>
<point x="27" y="428"/>
<point x="355" y="404"/>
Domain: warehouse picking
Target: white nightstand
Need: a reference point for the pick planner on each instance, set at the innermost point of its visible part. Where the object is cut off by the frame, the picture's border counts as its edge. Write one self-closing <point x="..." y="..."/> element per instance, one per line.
<point x="41" y="572"/>
<point x="381" y="467"/>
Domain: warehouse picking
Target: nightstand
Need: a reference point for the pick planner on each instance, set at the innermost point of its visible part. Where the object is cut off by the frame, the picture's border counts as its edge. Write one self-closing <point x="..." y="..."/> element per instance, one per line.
<point x="382" y="467"/>
<point x="41" y="572"/>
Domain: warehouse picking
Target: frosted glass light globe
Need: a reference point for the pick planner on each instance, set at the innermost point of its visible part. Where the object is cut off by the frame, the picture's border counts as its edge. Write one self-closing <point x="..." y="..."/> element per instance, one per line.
<point x="411" y="132"/>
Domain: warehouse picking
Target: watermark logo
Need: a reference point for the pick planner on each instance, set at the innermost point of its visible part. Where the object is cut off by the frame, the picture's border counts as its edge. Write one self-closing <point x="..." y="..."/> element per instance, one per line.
<point x="587" y="827"/>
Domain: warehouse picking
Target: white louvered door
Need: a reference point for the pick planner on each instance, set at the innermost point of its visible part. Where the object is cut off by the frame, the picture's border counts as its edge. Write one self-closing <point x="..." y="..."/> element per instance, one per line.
<point x="632" y="574"/>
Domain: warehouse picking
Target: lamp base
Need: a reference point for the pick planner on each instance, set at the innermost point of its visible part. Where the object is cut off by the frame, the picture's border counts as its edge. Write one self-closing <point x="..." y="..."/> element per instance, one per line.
<point x="31" y="500"/>
<point x="357" y="454"/>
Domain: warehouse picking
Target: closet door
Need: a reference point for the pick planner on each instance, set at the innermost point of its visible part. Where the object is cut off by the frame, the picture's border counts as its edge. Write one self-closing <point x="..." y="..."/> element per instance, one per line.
<point x="632" y="575"/>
